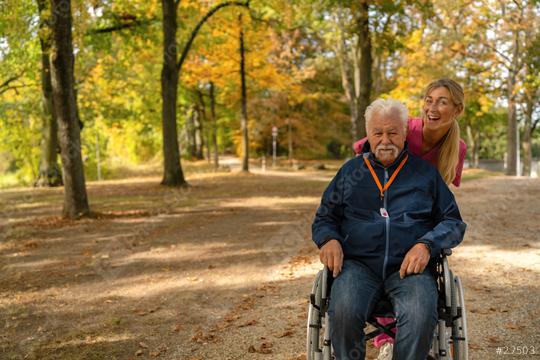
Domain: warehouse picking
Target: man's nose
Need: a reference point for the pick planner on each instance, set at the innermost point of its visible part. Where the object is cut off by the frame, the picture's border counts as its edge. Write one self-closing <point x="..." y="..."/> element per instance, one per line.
<point x="385" y="139"/>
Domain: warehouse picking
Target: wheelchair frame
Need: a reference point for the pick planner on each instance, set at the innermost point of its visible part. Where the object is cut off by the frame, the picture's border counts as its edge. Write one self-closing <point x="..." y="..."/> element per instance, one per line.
<point x="450" y="337"/>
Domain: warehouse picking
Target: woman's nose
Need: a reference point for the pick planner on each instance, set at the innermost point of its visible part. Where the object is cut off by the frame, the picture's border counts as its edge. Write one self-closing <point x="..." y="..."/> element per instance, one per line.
<point x="433" y="106"/>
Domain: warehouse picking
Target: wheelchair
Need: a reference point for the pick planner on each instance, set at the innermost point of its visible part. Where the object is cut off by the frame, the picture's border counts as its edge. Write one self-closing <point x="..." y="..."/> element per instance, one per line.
<point x="450" y="337"/>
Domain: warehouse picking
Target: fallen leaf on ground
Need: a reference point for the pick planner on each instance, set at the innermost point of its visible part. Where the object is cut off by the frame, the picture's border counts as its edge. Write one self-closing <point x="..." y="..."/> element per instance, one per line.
<point x="249" y="323"/>
<point x="493" y="339"/>
<point x="176" y="327"/>
<point x="285" y="333"/>
<point x="265" y="348"/>
<point x="202" y="338"/>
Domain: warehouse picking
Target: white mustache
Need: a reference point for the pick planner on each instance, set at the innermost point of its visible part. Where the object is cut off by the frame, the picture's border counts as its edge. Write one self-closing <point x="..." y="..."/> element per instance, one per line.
<point x="387" y="147"/>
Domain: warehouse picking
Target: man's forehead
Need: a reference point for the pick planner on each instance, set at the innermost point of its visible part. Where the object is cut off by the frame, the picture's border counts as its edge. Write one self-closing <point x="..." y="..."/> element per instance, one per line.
<point x="386" y="120"/>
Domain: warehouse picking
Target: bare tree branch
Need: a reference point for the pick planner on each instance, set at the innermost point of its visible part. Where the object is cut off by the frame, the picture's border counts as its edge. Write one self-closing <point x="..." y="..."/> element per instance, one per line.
<point x="519" y="5"/>
<point x="133" y="23"/>
<point x="212" y="11"/>
<point x="534" y="125"/>
<point x="15" y="87"/>
<point x="10" y="80"/>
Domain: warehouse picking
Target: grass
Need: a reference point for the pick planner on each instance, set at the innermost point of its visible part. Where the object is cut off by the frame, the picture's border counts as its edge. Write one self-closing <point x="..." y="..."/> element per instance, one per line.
<point x="9" y="180"/>
<point x="475" y="174"/>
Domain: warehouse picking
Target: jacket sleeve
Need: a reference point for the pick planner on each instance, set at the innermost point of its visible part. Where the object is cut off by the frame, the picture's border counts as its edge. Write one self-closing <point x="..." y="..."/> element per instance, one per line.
<point x="449" y="227"/>
<point x="327" y="223"/>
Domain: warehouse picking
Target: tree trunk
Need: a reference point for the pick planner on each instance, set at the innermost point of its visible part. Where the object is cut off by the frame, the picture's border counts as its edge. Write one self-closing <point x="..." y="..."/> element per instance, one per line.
<point x="75" y="198"/>
<point x="198" y="132"/>
<point x="511" y="135"/>
<point x="190" y="132"/>
<point x="172" y="169"/>
<point x="49" y="169"/>
<point x="511" y="132"/>
<point x="244" y="118"/>
<point x="473" y="140"/>
<point x="527" y="135"/>
<point x="201" y="127"/>
<point x="214" y="125"/>
<point x="348" y="76"/>
<point x="364" y="39"/>
<point x="290" y="140"/>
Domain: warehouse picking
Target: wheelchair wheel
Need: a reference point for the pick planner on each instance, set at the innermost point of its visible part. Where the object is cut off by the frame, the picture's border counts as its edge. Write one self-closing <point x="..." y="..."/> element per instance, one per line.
<point x="317" y="342"/>
<point x="450" y="338"/>
<point x="314" y="320"/>
<point x="459" y="325"/>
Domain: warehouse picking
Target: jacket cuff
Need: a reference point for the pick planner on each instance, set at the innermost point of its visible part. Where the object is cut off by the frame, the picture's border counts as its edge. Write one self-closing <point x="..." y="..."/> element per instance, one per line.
<point x="327" y="238"/>
<point x="433" y="252"/>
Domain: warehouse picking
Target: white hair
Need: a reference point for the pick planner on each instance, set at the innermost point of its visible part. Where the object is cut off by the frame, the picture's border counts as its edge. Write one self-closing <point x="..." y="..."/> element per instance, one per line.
<point x="391" y="107"/>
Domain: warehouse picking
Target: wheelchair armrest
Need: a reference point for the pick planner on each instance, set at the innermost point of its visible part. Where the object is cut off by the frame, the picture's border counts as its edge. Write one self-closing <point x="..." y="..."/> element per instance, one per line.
<point x="327" y="280"/>
<point x="447" y="252"/>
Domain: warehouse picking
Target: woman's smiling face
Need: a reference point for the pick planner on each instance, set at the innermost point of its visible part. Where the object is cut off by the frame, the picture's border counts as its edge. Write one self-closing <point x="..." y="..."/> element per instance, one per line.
<point x="439" y="109"/>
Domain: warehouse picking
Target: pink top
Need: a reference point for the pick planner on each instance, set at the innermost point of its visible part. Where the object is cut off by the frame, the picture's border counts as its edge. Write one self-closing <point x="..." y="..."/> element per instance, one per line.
<point x="414" y="140"/>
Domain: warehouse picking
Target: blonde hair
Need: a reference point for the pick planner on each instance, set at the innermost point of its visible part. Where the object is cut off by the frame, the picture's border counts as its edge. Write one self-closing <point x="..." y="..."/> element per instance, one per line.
<point x="449" y="151"/>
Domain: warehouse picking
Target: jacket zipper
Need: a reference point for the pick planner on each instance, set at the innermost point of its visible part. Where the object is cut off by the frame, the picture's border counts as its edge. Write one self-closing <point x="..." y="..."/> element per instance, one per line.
<point x="387" y="232"/>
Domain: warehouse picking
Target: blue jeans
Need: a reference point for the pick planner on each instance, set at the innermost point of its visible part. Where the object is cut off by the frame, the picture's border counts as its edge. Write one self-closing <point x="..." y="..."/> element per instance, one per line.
<point x="354" y="294"/>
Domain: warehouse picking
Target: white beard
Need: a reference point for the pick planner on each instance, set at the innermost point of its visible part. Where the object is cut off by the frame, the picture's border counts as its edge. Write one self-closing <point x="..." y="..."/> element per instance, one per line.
<point x="386" y="156"/>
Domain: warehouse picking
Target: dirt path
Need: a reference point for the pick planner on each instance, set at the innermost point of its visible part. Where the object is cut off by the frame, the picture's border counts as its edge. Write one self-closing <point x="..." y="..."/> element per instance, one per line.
<point x="223" y="270"/>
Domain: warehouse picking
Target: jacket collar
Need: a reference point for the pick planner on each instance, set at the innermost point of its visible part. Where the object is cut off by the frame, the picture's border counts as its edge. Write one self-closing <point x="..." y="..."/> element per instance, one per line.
<point x="367" y="153"/>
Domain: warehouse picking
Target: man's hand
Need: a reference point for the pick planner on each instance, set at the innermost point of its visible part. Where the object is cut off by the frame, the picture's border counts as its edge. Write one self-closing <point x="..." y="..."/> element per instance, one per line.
<point x="331" y="255"/>
<point x="415" y="260"/>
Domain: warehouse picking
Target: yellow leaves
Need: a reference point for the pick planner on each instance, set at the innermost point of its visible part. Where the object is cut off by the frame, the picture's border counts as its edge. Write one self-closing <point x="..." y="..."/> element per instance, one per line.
<point x="485" y="104"/>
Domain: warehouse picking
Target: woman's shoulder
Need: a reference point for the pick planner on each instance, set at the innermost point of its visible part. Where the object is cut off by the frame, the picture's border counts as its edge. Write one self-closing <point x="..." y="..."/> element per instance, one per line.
<point x="414" y="135"/>
<point x="415" y="124"/>
<point x="462" y="146"/>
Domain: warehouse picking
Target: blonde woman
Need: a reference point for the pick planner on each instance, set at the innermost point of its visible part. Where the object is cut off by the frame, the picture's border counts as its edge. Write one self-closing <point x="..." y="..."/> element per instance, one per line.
<point x="435" y="138"/>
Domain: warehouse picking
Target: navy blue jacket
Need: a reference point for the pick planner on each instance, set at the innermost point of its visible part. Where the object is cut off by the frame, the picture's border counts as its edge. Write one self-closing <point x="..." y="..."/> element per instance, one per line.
<point x="420" y="206"/>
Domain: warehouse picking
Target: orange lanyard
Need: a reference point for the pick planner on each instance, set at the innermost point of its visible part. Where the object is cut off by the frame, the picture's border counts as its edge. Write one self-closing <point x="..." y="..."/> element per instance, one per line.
<point x="387" y="185"/>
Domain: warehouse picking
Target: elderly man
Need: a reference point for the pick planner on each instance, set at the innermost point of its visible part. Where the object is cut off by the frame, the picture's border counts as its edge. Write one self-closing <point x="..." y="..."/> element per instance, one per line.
<point x="382" y="218"/>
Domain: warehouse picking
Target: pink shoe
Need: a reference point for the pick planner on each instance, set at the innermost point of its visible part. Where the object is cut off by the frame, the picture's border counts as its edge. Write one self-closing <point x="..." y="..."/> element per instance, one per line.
<point x="382" y="339"/>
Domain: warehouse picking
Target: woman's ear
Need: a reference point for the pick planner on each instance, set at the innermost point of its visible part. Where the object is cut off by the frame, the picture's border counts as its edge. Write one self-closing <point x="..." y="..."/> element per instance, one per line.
<point x="459" y="110"/>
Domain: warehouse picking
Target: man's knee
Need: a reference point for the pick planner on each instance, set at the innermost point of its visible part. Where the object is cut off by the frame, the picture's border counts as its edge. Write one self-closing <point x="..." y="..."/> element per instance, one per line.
<point x="418" y="303"/>
<point x="417" y="313"/>
<point x="348" y="309"/>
